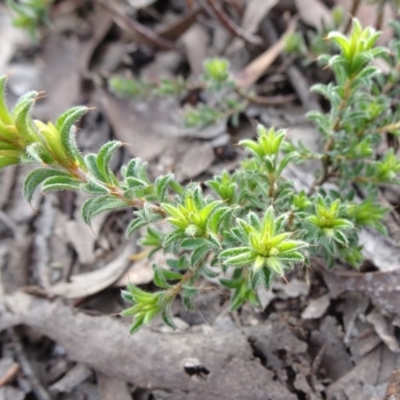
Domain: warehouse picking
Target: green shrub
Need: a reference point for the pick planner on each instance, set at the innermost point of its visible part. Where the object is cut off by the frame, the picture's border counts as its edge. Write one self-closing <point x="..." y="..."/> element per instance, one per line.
<point x="250" y="226"/>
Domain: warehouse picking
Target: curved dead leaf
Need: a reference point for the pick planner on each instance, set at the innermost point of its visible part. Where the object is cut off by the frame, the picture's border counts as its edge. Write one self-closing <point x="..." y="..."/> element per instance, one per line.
<point x="383" y="288"/>
<point x="87" y="284"/>
<point x="253" y="71"/>
<point x="315" y="13"/>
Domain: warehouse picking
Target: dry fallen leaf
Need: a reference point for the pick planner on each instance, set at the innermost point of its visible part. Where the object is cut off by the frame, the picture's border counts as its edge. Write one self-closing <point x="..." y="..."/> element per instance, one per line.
<point x="195" y="160"/>
<point x="89" y="283"/>
<point x="141" y="272"/>
<point x="383" y="288"/>
<point x="175" y="30"/>
<point x="111" y="388"/>
<point x="75" y="376"/>
<point x="351" y="385"/>
<point x="292" y="289"/>
<point x="384" y="329"/>
<point x="314" y="13"/>
<point x="134" y="123"/>
<point x="335" y="360"/>
<point x="100" y="22"/>
<point x="253" y="71"/>
<point x="141" y="3"/>
<point x="195" y="42"/>
<point x="393" y="388"/>
<point x="11" y="393"/>
<point x="60" y="76"/>
<point x="316" y="308"/>
<point x="82" y="238"/>
<point x="254" y="13"/>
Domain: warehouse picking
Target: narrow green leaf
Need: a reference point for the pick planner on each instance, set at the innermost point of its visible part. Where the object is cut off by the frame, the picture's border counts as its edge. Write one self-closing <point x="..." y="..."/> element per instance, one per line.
<point x="161" y="185"/>
<point x="96" y="205"/>
<point x="240" y="260"/>
<point x="267" y="278"/>
<point x="213" y="241"/>
<point x="172" y="237"/>
<point x="166" y="316"/>
<point x="138" y="323"/>
<point x="254" y="279"/>
<point x="231" y="283"/>
<point x="64" y="125"/>
<point x="104" y="156"/>
<point x="36" y="152"/>
<point x="198" y="255"/>
<point x="171" y="275"/>
<point x="91" y="164"/>
<point x="254" y="220"/>
<point x="94" y="187"/>
<point x="36" y="177"/>
<point x="135" y="183"/>
<point x="237" y="301"/>
<point x="137" y="168"/>
<point x="233" y="252"/>
<point x="188" y="303"/>
<point x="22" y="102"/>
<point x="159" y="278"/>
<point x="285" y="161"/>
<point x="135" y="224"/>
<point x="60" y="183"/>
<point x="192" y="243"/>
<point x="22" y="117"/>
<point x="4" y="146"/>
<point x="139" y="295"/>
<point x="209" y="273"/>
<point x="5" y="116"/>
<point x="7" y="161"/>
<point x="198" y="198"/>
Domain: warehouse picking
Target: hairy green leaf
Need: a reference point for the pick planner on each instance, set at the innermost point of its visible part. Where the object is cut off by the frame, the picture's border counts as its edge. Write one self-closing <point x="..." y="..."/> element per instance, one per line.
<point x="64" y="125"/>
<point x="60" y="183"/>
<point x="96" y="205"/>
<point x="36" y="177"/>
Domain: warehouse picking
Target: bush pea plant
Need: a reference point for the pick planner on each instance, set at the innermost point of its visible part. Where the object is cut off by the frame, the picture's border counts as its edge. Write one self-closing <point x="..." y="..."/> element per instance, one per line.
<point x="224" y="99"/>
<point x="311" y="43"/>
<point x="250" y="226"/>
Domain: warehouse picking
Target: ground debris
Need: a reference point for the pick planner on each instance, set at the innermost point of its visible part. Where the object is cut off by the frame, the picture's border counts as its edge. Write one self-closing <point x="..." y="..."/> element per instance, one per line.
<point x="316" y="308"/>
<point x="234" y="373"/>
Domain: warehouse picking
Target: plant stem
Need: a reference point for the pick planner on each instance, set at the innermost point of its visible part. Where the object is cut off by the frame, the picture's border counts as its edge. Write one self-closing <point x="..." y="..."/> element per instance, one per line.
<point x="265" y="100"/>
<point x="115" y="191"/>
<point x="353" y="12"/>
<point x="188" y="275"/>
<point x="326" y="160"/>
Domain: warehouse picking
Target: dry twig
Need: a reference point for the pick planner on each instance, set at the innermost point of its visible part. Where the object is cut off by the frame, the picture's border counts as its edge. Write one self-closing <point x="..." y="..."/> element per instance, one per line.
<point x="256" y="68"/>
<point x="138" y="30"/>
<point x="10" y="374"/>
<point x="267" y="100"/>
<point x="231" y="26"/>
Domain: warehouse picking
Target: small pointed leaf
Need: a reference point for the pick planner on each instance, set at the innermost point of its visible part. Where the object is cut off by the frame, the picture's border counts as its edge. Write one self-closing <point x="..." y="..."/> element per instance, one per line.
<point x="36" y="177"/>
